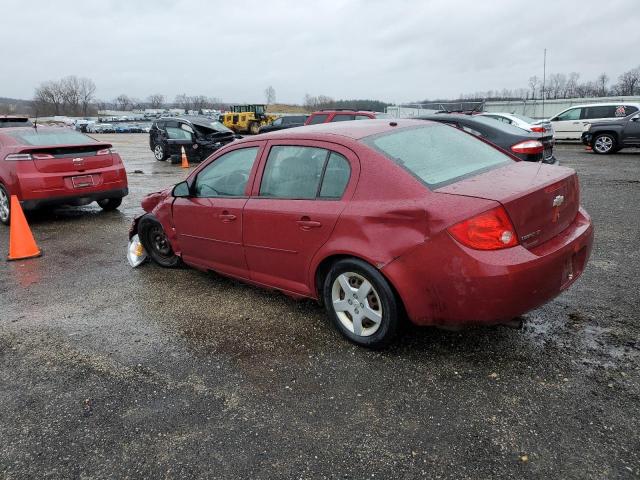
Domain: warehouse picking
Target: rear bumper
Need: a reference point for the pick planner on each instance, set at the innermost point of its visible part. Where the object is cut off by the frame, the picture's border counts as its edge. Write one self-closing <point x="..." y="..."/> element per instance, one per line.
<point x="83" y="199"/>
<point x="445" y="283"/>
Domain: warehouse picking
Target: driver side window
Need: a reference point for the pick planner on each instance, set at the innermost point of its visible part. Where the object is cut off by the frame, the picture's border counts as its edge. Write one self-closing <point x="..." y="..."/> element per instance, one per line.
<point x="227" y="175"/>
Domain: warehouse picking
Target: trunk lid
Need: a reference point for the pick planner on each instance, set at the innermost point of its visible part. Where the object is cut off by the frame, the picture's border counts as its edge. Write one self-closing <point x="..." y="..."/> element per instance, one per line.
<point x="541" y="200"/>
<point x="70" y="158"/>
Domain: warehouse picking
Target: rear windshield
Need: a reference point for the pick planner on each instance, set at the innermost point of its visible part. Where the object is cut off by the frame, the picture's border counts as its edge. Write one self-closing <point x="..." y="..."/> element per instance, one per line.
<point x="436" y="154"/>
<point x="62" y="136"/>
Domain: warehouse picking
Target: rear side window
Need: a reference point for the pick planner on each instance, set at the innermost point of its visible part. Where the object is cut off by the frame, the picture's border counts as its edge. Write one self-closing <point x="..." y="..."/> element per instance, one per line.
<point x="437" y="155"/>
<point x="601" y="111"/>
<point x="57" y="136"/>
<point x="336" y="176"/>
<point x="342" y="117"/>
<point x="318" y="119"/>
<point x="295" y="172"/>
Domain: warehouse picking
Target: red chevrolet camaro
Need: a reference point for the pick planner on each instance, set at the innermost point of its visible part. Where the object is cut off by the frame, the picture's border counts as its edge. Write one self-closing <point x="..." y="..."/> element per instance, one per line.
<point x="377" y="219"/>
<point x="45" y="166"/>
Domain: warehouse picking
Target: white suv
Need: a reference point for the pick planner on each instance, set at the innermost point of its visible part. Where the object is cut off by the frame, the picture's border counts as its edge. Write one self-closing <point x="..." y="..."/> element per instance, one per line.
<point x="570" y="123"/>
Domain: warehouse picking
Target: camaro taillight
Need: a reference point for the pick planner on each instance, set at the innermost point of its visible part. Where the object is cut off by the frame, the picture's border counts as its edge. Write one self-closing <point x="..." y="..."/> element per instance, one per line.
<point x="537" y="129"/>
<point x="528" y="147"/>
<point x="14" y="157"/>
<point x="491" y="230"/>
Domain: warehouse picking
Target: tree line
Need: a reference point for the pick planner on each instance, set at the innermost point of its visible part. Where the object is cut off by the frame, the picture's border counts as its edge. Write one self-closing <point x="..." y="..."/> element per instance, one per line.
<point x="560" y="86"/>
<point x="322" y="102"/>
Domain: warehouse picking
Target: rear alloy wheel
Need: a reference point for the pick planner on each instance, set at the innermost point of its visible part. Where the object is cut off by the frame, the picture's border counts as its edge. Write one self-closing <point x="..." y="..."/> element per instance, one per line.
<point x="604" y="143"/>
<point x="155" y="242"/>
<point x="4" y="206"/>
<point x="159" y="153"/>
<point x="361" y="303"/>
<point x="110" y="204"/>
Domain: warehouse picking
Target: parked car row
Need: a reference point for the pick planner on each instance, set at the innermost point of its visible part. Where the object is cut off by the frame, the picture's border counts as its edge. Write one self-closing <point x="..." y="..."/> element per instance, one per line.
<point x="117" y="128"/>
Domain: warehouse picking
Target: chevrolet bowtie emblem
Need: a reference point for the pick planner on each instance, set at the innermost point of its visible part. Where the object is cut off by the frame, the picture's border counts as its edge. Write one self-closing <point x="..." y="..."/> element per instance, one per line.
<point x="559" y="200"/>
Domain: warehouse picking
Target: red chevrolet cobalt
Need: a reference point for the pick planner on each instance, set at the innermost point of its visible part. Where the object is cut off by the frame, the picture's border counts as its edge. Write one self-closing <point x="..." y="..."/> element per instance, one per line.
<point x="55" y="166"/>
<point x="375" y="219"/>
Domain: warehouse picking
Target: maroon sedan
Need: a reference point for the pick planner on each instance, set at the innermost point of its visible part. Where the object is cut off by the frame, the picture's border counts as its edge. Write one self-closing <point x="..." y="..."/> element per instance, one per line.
<point x="54" y="166"/>
<point x="375" y="219"/>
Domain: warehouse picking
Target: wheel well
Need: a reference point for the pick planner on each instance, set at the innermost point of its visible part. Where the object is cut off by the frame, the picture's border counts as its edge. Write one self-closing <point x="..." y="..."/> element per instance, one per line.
<point x="325" y="265"/>
<point x="613" y="133"/>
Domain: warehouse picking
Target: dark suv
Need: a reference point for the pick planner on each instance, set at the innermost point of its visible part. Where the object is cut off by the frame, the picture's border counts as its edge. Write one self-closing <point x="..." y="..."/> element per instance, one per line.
<point x="330" y="116"/>
<point x="282" y="123"/>
<point x="200" y="137"/>
<point x="609" y="136"/>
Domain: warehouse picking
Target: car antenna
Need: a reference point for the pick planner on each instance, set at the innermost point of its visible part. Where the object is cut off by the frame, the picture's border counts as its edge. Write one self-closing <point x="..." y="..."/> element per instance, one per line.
<point x="35" y="121"/>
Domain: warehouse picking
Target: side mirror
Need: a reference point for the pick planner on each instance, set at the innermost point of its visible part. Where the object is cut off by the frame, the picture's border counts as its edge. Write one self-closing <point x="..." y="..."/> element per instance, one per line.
<point x="182" y="190"/>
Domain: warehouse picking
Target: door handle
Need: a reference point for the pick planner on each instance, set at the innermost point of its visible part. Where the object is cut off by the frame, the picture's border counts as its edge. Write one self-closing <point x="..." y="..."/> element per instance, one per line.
<point x="226" y="217"/>
<point x="305" y="223"/>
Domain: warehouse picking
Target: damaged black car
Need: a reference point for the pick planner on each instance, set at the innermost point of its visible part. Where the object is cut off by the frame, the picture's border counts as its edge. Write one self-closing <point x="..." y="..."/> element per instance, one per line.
<point x="200" y="137"/>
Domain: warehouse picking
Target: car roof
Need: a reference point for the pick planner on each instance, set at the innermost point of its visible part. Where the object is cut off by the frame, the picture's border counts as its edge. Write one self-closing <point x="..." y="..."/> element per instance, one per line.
<point x="342" y="110"/>
<point x="603" y="104"/>
<point x="354" y="130"/>
<point x="471" y="120"/>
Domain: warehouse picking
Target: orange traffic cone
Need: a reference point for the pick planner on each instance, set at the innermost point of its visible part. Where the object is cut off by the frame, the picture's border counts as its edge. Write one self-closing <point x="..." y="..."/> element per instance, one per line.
<point x="185" y="161"/>
<point x="21" y="242"/>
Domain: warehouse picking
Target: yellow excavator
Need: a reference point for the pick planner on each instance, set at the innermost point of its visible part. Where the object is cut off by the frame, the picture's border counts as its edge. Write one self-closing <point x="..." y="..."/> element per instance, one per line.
<point x="247" y="118"/>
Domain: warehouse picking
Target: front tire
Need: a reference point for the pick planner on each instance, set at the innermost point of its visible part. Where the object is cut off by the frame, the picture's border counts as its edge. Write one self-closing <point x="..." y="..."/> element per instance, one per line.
<point x="159" y="153"/>
<point x="110" y="204"/>
<point x="361" y="303"/>
<point x="5" y="206"/>
<point x="155" y="242"/>
<point x="604" y="144"/>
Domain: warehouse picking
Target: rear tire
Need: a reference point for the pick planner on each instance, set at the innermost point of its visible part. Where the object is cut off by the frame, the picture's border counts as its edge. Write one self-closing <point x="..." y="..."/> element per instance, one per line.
<point x="159" y="152"/>
<point x="155" y="242"/>
<point x="361" y="303"/>
<point x="604" y="144"/>
<point x="110" y="204"/>
<point x="5" y="206"/>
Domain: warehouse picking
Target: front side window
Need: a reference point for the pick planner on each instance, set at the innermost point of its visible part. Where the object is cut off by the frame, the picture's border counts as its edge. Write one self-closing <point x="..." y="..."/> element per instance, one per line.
<point x="436" y="154"/>
<point x="321" y="118"/>
<point x="341" y="117"/>
<point x="296" y="172"/>
<point x="226" y="176"/>
<point x="573" y="114"/>
<point x="176" y="133"/>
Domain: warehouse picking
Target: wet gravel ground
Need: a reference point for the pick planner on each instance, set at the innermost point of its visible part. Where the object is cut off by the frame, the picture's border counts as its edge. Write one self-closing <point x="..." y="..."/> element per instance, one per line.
<point x="110" y="372"/>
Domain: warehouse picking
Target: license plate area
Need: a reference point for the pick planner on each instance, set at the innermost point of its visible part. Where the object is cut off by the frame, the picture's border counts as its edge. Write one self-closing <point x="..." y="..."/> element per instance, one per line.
<point x="82" y="181"/>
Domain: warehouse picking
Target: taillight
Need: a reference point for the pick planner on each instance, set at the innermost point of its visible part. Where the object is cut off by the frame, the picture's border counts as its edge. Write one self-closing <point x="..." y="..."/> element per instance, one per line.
<point x="105" y="151"/>
<point x="491" y="230"/>
<point x="537" y="129"/>
<point x="528" y="147"/>
<point x="14" y="157"/>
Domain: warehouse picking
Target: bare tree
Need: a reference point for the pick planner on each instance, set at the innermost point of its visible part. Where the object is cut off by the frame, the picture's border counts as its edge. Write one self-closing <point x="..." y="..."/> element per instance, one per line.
<point x="122" y="102"/>
<point x="533" y="84"/>
<point x="182" y="101"/>
<point x="628" y="82"/>
<point x="602" y="81"/>
<point x="87" y="90"/>
<point x="49" y="97"/>
<point x="155" y="100"/>
<point x="71" y="94"/>
<point x="270" y="95"/>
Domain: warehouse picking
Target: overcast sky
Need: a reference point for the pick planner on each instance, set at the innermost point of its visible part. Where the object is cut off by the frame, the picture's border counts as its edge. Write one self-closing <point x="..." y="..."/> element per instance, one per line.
<point x="391" y="50"/>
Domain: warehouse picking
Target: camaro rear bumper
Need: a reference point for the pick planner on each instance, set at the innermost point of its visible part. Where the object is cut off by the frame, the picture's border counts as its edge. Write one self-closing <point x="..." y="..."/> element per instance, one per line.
<point x="444" y="283"/>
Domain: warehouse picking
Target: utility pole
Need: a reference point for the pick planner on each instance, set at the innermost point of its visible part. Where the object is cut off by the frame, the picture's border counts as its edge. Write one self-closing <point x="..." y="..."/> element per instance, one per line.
<point x="544" y="78"/>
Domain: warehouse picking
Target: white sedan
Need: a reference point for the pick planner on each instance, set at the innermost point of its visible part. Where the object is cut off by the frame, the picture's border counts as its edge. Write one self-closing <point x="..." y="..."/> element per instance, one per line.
<point x="526" y="123"/>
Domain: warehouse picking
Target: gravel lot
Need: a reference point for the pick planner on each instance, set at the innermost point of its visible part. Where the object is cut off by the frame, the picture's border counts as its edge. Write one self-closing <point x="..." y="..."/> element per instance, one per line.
<point x="110" y="372"/>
